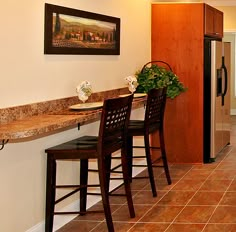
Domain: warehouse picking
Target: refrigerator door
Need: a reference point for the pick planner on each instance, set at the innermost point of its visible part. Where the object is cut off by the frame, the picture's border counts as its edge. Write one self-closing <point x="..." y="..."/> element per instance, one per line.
<point x="216" y="99"/>
<point x="220" y="96"/>
<point x="226" y="90"/>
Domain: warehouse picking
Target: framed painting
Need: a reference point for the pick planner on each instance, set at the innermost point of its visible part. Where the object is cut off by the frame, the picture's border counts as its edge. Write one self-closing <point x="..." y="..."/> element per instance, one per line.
<point x="71" y="31"/>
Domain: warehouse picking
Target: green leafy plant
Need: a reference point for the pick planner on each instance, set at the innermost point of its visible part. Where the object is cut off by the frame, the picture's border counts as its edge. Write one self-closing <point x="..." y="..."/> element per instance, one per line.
<point x="158" y="77"/>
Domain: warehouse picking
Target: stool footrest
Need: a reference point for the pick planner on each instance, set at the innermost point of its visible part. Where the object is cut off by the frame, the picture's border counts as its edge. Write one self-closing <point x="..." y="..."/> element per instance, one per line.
<point x="139" y="157"/>
<point x="93" y="194"/>
<point x="79" y="212"/>
<point x="117" y="194"/>
<point x="158" y="166"/>
<point x="149" y="147"/>
<point x="139" y="165"/>
<point x="77" y="186"/>
<point x="116" y="178"/>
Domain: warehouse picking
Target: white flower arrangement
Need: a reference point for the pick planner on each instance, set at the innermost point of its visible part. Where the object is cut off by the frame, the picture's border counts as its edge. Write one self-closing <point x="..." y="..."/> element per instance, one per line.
<point x="84" y="90"/>
<point x="132" y="83"/>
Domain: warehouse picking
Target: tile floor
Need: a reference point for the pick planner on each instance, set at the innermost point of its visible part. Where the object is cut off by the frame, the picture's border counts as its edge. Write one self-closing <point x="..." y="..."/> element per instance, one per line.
<point x="201" y="198"/>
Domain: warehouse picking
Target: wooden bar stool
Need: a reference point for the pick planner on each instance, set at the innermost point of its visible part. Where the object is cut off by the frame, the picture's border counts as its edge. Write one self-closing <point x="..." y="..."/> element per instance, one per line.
<point x="153" y="121"/>
<point x="112" y="137"/>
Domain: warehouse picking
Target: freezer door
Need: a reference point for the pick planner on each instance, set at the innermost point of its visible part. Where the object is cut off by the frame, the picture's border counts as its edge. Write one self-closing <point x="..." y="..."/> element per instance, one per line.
<point x="216" y="99"/>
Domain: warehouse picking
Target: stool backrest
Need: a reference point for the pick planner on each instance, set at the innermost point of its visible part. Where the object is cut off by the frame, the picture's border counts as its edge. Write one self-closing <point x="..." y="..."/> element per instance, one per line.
<point x="155" y="108"/>
<point x="114" y="124"/>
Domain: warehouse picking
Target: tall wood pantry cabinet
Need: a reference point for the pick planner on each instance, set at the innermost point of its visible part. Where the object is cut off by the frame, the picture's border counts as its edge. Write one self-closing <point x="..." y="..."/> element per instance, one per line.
<point x="178" y="32"/>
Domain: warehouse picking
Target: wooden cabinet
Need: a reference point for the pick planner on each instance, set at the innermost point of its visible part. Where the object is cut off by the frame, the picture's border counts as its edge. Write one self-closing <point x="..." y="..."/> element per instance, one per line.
<point x="178" y="39"/>
<point x="213" y="22"/>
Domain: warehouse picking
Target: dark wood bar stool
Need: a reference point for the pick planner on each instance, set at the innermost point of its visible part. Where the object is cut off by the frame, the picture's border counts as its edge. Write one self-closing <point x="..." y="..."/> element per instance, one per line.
<point x="112" y="137"/>
<point x="153" y="121"/>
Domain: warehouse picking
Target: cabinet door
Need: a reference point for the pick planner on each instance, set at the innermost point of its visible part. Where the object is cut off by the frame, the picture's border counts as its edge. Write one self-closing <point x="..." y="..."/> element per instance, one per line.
<point x="209" y="20"/>
<point x="213" y="22"/>
<point x="218" y="23"/>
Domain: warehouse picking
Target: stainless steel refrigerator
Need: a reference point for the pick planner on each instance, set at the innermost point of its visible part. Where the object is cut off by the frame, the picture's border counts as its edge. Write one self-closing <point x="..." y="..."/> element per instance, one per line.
<point x="216" y="98"/>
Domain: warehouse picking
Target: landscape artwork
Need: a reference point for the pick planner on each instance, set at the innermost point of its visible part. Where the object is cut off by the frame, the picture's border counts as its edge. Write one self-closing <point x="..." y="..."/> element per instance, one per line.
<point x="70" y="31"/>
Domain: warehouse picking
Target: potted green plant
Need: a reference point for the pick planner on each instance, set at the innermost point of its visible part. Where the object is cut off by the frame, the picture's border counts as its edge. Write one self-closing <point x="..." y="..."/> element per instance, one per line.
<point x="156" y="76"/>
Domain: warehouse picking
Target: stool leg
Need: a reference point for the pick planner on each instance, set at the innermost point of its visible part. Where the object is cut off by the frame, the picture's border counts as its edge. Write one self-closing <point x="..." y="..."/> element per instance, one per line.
<point x="105" y="193"/>
<point x="126" y="177"/>
<point x="129" y="154"/>
<point x="108" y="168"/>
<point x="149" y="164"/>
<point x="163" y="154"/>
<point x="50" y="193"/>
<point x="83" y="183"/>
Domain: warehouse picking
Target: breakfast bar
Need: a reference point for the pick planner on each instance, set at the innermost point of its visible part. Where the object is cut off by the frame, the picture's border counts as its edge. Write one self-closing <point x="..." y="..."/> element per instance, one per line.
<point x="32" y="121"/>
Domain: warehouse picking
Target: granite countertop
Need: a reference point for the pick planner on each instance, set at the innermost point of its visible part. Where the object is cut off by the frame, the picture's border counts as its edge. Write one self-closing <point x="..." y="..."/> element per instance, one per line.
<point x="53" y="121"/>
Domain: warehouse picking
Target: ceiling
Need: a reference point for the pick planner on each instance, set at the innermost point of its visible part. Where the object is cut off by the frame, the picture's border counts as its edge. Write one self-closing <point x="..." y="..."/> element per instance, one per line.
<point x="211" y="2"/>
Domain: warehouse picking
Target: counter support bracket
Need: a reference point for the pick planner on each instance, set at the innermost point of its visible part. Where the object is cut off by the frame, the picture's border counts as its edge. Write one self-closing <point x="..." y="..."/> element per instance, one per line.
<point x="3" y="143"/>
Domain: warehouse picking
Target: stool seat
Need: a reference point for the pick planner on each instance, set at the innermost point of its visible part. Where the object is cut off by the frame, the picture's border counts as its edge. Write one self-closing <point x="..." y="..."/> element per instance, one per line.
<point x="84" y="146"/>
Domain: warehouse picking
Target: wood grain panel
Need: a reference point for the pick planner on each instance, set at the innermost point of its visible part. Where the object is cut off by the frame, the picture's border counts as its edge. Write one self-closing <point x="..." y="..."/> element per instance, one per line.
<point x="177" y="38"/>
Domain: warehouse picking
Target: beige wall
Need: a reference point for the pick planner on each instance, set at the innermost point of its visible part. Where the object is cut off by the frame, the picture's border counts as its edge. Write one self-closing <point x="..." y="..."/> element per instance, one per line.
<point x="27" y="75"/>
<point x="229" y="16"/>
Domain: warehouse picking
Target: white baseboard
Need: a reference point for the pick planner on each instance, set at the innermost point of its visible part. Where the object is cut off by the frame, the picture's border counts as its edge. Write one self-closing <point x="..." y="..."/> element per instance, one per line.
<point x="233" y="112"/>
<point x="60" y="221"/>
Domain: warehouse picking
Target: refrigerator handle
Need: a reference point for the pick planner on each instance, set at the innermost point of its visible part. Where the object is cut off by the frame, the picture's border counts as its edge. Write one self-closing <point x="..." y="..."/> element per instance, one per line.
<point x="225" y="79"/>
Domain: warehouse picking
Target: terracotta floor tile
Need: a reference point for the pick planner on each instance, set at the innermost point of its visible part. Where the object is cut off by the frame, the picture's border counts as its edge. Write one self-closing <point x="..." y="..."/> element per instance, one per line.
<point x="176" y="173"/>
<point x="73" y="226"/>
<point x="188" y="184"/>
<point x="232" y="187"/>
<point x="176" y="198"/>
<point x="223" y="175"/>
<point x="209" y="166"/>
<point x="220" y="228"/>
<point x="195" y="214"/>
<point x="224" y="214"/>
<point x="139" y="184"/>
<point x="118" y="227"/>
<point x="231" y="157"/>
<point x="158" y="171"/>
<point x="185" y="228"/>
<point x="149" y="227"/>
<point x="198" y="174"/>
<point x="183" y="167"/>
<point x="161" y="184"/>
<point x="122" y="214"/>
<point x="215" y="185"/>
<point x="96" y="216"/>
<point x="120" y="200"/>
<point x="227" y="165"/>
<point x="161" y="213"/>
<point x="146" y="197"/>
<point x="229" y="199"/>
<point x="206" y="198"/>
